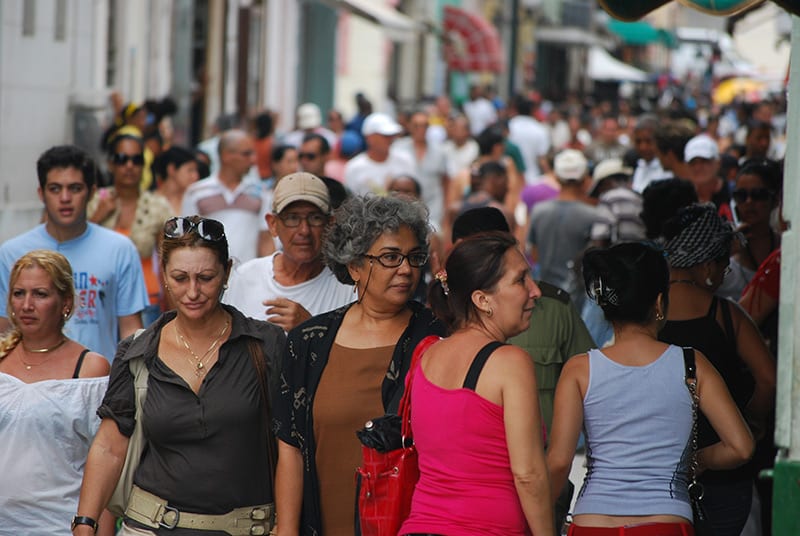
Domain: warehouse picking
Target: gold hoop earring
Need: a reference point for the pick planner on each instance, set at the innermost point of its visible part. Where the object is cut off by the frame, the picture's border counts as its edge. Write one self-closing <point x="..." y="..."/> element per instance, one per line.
<point x="489" y="313"/>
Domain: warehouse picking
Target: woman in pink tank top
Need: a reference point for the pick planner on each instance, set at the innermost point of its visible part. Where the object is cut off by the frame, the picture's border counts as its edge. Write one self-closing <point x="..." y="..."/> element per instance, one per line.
<point x="475" y="413"/>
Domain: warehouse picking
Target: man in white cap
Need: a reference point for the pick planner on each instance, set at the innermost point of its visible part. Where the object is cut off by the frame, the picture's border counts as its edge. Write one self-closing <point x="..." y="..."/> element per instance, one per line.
<point x="291" y="285"/>
<point x="371" y="171"/>
<point x="560" y="228"/>
<point x="309" y="121"/>
<point x="702" y="155"/>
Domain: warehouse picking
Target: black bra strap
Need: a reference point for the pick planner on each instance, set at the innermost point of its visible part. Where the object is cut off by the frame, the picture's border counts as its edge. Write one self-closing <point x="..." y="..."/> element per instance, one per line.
<point x="79" y="363"/>
<point x="712" y="309"/>
<point x="477" y="364"/>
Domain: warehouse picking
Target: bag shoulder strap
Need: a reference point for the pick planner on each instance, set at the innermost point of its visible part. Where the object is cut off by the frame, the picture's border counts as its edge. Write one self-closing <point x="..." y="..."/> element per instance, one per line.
<point x="689" y="364"/>
<point x="140" y="374"/>
<point x="404" y="409"/>
<point x="478" y="363"/>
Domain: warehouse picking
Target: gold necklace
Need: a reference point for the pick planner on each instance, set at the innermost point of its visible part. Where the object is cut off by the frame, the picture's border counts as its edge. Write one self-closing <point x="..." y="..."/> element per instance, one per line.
<point x="199" y="362"/>
<point x="45" y="350"/>
<point x="29" y="366"/>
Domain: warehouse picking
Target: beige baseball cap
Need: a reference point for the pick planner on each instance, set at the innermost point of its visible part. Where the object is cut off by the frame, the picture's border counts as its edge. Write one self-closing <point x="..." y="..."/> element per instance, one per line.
<point x="301" y="186"/>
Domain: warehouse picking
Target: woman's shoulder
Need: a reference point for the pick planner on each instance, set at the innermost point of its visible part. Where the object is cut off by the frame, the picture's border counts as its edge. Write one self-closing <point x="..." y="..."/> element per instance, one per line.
<point x="94" y="365"/>
<point x="576" y="365"/>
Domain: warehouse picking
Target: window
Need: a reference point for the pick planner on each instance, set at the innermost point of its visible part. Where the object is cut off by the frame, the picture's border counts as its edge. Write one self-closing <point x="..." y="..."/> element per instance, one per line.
<point x="61" y="20"/>
<point x="28" y="17"/>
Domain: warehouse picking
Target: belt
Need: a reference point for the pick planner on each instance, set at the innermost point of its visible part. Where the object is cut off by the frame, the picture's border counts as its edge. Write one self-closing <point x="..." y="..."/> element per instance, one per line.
<point x="154" y="512"/>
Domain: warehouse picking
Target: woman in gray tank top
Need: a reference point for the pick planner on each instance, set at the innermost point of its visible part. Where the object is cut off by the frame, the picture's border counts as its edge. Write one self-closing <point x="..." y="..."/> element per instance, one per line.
<point x="631" y="400"/>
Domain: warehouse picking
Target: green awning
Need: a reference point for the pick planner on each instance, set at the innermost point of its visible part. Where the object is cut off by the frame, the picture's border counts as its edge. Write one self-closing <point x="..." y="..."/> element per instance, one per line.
<point x="640" y="33"/>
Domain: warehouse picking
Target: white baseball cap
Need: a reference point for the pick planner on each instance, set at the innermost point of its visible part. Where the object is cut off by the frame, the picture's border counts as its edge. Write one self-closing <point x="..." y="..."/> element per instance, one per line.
<point x="382" y="124"/>
<point x="308" y="116"/>
<point x="702" y="146"/>
<point x="570" y="165"/>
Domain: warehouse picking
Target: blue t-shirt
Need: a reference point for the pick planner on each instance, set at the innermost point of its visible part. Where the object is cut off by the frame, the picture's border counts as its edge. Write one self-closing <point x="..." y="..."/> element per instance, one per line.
<point x="108" y="281"/>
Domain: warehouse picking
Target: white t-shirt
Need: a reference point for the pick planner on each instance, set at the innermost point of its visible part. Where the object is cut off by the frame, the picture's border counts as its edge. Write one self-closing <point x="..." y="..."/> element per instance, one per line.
<point x="242" y="211"/>
<point x="459" y="158"/>
<point x="533" y="141"/>
<point x="253" y="282"/>
<point x="363" y="175"/>
<point x="481" y="113"/>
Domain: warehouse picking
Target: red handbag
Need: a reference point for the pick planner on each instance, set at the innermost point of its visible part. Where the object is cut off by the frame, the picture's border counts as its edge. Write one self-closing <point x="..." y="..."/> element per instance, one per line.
<point x="385" y="481"/>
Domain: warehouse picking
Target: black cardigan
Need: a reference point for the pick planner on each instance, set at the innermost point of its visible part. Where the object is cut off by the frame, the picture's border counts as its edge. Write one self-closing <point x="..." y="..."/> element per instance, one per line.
<point x="306" y="354"/>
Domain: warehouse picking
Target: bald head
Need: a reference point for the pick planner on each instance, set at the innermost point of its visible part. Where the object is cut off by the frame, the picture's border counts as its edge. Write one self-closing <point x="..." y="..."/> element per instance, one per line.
<point x="236" y="154"/>
<point x="229" y="138"/>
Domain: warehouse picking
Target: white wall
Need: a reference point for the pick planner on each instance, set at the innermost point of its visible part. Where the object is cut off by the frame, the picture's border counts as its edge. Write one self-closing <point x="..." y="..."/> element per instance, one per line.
<point x="362" y="64"/>
<point x="40" y="79"/>
<point x="44" y="81"/>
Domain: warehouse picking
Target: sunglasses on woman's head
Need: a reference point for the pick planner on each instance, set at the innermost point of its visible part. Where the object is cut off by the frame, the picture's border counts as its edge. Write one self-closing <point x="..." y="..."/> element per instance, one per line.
<point x="210" y="230"/>
<point x="740" y="195"/>
<point x="121" y="159"/>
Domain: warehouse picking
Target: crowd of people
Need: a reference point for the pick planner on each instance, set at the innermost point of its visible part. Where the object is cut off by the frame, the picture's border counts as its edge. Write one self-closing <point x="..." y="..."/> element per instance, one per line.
<point x="274" y="287"/>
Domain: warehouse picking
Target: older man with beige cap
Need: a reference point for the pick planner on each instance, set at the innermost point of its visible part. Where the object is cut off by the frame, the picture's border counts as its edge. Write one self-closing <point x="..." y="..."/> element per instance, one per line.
<point x="291" y="285"/>
<point x="560" y="228"/>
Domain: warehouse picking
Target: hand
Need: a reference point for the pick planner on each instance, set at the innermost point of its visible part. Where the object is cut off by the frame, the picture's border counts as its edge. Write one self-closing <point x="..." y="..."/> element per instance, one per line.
<point x="285" y="313"/>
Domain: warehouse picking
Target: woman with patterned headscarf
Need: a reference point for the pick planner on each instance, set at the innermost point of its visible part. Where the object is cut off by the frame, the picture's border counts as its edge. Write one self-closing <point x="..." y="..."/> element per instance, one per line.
<point x="698" y="246"/>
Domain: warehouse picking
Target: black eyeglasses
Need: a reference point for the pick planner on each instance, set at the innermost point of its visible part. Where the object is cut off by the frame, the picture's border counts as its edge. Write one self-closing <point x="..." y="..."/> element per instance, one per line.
<point x="210" y="230"/>
<point x="740" y="195"/>
<point x="121" y="159"/>
<point x="314" y="219"/>
<point x="307" y="156"/>
<point x="393" y="259"/>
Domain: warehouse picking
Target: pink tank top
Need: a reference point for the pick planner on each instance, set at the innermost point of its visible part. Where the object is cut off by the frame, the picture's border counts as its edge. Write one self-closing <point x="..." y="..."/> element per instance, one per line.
<point x="465" y="485"/>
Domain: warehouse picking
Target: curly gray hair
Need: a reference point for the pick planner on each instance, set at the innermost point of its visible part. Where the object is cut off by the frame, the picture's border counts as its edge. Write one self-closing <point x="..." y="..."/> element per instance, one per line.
<point x="358" y="223"/>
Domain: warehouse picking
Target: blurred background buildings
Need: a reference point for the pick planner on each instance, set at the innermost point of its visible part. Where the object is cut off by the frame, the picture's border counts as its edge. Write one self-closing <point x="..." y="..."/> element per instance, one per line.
<point x="60" y="60"/>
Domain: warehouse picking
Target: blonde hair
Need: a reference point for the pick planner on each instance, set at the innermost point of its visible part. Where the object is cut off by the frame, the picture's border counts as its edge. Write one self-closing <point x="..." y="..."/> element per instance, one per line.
<point x="58" y="268"/>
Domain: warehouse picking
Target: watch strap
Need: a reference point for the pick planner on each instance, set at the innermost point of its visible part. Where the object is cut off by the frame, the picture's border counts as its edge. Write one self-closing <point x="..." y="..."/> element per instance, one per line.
<point x="83" y="520"/>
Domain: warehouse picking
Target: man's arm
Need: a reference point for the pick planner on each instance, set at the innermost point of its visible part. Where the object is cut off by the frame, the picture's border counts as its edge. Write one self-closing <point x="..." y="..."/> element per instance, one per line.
<point x="128" y="325"/>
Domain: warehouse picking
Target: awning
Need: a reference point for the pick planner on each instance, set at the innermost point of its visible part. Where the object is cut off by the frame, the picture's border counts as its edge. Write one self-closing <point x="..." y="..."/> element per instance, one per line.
<point x="632" y="10"/>
<point x="605" y="67"/>
<point x="471" y="43"/>
<point x="640" y="33"/>
<point x="567" y="35"/>
<point x="398" y="27"/>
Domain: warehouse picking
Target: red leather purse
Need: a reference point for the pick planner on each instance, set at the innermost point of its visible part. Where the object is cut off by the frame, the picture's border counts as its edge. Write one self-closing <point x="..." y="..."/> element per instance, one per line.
<point x="385" y="481"/>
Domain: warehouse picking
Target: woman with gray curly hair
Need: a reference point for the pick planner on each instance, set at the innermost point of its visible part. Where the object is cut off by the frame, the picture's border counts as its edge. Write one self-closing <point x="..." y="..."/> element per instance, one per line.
<point x="347" y="366"/>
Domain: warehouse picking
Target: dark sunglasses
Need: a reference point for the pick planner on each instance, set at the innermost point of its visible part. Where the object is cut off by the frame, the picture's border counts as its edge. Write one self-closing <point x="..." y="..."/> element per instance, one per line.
<point x="740" y="195"/>
<point x="307" y="156"/>
<point x="121" y="159"/>
<point x="210" y="230"/>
